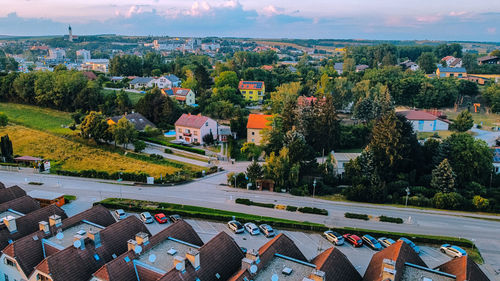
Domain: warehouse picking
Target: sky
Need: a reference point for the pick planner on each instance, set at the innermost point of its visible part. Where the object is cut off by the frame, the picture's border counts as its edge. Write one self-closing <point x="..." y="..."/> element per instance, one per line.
<point x="465" y="20"/>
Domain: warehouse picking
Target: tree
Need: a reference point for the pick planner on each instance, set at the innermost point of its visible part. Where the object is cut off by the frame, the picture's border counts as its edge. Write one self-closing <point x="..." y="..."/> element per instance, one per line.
<point x="279" y="168"/>
<point x="123" y="132"/>
<point x="285" y="92"/>
<point x="463" y="123"/>
<point x="4" y="120"/>
<point x="6" y="149"/>
<point x="450" y="200"/>
<point x="228" y="78"/>
<point x="139" y="145"/>
<point x="94" y="126"/>
<point x="208" y="139"/>
<point x="349" y="65"/>
<point x="251" y="150"/>
<point x="427" y="62"/>
<point x="254" y="172"/>
<point x="495" y="53"/>
<point x="123" y="102"/>
<point x="443" y="177"/>
<point x="480" y="203"/>
<point x="190" y="82"/>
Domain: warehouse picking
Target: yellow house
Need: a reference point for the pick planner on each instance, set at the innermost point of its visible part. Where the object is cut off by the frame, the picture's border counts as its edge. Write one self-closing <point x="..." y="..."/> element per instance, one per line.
<point x="458" y="72"/>
<point x="257" y="123"/>
<point x="252" y="90"/>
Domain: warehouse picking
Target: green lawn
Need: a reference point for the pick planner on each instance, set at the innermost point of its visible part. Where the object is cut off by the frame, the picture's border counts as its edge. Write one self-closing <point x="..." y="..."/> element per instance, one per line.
<point x="488" y="120"/>
<point x="134" y="97"/>
<point x="442" y="134"/>
<point x="38" y="118"/>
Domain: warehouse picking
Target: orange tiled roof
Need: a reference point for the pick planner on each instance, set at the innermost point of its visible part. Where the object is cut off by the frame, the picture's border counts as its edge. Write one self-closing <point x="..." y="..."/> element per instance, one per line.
<point x="258" y="121"/>
<point x="251" y="85"/>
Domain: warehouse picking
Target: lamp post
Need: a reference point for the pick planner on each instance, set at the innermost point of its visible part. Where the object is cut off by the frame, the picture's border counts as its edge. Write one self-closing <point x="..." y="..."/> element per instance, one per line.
<point x="234" y="176"/>
<point x="314" y="187"/>
<point x="407" y="194"/>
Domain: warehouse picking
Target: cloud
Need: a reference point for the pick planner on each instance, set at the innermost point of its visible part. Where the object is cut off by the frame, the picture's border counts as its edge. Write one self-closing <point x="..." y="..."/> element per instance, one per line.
<point x="491" y="30"/>
<point x="429" y="18"/>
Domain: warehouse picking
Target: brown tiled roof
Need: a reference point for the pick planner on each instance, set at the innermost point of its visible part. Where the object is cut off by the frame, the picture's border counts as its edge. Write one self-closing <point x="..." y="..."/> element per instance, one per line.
<point x="76" y="264"/>
<point x="119" y="270"/>
<point x="399" y="252"/>
<point x="29" y="223"/>
<point x="191" y="121"/>
<point x="13" y="192"/>
<point x="336" y="266"/>
<point x="464" y="268"/>
<point x="28" y="252"/>
<point x="221" y="255"/>
<point x="281" y="244"/>
<point x="241" y="275"/>
<point x="24" y="204"/>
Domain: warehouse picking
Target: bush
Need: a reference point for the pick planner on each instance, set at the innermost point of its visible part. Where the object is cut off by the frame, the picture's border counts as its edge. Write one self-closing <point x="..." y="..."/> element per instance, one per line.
<point x="313" y="210"/>
<point x="168" y="150"/>
<point x="417" y="200"/>
<point x="141" y="177"/>
<point x="243" y="201"/>
<point x="291" y="208"/>
<point x="356" y="216"/>
<point x="178" y="146"/>
<point x="449" y="201"/>
<point x="4" y="120"/>
<point x="249" y="202"/>
<point x="139" y="145"/>
<point x="390" y="219"/>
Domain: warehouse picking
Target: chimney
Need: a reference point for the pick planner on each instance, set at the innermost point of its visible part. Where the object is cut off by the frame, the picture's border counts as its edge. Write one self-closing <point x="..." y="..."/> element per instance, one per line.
<point x="81" y="239"/>
<point x="389" y="270"/>
<point x="131" y="243"/>
<point x="55" y="220"/>
<point x="44" y="226"/>
<point x="95" y="236"/>
<point x="317" y="275"/>
<point x="253" y="255"/>
<point x="180" y="263"/>
<point x="10" y="222"/>
<point x="142" y="238"/>
<point x="193" y="256"/>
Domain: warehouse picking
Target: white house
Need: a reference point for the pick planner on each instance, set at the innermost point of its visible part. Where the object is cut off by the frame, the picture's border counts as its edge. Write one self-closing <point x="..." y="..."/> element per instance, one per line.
<point x="496" y="159"/>
<point x="425" y="122"/>
<point x="192" y="128"/>
<point x="140" y="82"/>
<point x="182" y="95"/>
<point x="341" y="159"/>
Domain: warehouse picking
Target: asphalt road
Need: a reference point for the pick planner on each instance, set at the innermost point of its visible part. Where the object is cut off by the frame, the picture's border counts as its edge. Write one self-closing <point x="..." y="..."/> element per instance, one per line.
<point x="208" y="192"/>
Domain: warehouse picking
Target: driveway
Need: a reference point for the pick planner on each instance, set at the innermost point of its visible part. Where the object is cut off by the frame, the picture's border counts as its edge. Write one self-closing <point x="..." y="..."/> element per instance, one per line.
<point x="488" y="136"/>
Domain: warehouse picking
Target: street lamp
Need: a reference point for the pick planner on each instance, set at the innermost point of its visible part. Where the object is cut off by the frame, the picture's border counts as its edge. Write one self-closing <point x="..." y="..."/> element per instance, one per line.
<point x="314" y="187"/>
<point x="234" y="176"/>
<point x="407" y="194"/>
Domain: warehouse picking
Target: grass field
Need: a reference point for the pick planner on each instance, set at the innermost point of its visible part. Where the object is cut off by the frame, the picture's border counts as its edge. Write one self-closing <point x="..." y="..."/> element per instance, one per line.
<point x="134" y="97"/>
<point x="442" y="134"/>
<point x="488" y="120"/>
<point x="70" y="155"/>
<point x="38" y="118"/>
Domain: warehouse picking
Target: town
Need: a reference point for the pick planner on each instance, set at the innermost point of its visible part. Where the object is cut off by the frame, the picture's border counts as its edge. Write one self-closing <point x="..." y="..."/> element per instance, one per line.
<point x="155" y="157"/>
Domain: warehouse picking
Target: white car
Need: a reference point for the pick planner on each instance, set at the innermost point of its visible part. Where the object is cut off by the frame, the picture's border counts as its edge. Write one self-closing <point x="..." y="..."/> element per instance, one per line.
<point x="252" y="228"/>
<point x="452" y="251"/>
<point x="334" y="237"/>
<point x="235" y="226"/>
<point x="146" y="217"/>
<point x="120" y="214"/>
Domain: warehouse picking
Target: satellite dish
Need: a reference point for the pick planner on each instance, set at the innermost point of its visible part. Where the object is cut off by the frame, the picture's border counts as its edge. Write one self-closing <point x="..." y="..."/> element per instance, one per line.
<point x="60" y="236"/>
<point x="178" y="266"/>
<point x="274" y="277"/>
<point x="253" y="269"/>
<point x="77" y="243"/>
<point x="152" y="258"/>
<point x="138" y="249"/>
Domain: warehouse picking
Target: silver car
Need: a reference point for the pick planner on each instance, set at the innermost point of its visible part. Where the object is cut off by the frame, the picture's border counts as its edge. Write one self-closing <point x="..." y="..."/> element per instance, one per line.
<point x="334" y="237"/>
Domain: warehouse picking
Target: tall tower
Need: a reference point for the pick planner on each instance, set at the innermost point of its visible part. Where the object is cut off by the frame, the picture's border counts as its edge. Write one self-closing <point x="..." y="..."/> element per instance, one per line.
<point x="70" y="37"/>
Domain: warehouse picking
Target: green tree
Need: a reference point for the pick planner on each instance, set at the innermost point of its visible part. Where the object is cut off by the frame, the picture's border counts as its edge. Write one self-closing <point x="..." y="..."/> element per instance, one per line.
<point x="463" y="123"/>
<point x="94" y="126"/>
<point x="123" y="102"/>
<point x="427" y="62"/>
<point x="254" y="172"/>
<point x="123" y="132"/>
<point x="495" y="53"/>
<point x="228" y="78"/>
<point x="6" y="149"/>
<point x="279" y="168"/>
<point x="4" y="120"/>
<point x="480" y="203"/>
<point x="450" y="200"/>
<point x="349" y="65"/>
<point x="285" y="92"/>
<point x="443" y="177"/>
<point x="251" y="150"/>
<point x="139" y="145"/>
<point x="25" y="87"/>
<point x="208" y="139"/>
<point x="190" y="82"/>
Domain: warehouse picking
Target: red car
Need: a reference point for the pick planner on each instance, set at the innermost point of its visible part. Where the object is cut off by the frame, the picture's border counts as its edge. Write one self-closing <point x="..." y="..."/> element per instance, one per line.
<point x="161" y="218"/>
<point x="353" y="240"/>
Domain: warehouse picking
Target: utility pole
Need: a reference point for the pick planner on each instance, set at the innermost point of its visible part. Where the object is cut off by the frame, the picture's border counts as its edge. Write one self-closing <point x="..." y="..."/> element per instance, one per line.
<point x="407" y="194"/>
<point x="314" y="187"/>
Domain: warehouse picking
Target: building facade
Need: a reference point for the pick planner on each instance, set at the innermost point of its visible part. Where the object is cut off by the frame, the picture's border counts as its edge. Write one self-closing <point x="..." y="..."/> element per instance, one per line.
<point x="255" y="126"/>
<point x="425" y="122"/>
<point x="252" y="90"/>
<point x="192" y="128"/>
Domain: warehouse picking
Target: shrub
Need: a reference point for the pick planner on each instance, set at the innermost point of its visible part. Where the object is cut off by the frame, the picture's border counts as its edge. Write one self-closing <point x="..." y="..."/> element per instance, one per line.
<point x="141" y="177"/>
<point x="243" y="201"/>
<point x="139" y="145"/>
<point x="451" y="200"/>
<point x="168" y="150"/>
<point x="291" y="208"/>
<point x="356" y="216"/>
<point x="178" y="146"/>
<point x="4" y="120"/>
<point x="249" y="202"/>
<point x="313" y="210"/>
<point x="390" y="219"/>
<point x="417" y="200"/>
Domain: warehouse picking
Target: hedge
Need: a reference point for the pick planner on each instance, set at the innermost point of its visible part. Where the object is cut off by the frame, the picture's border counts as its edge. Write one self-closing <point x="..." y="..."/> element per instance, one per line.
<point x="291" y="208"/>
<point x="356" y="216"/>
<point x="249" y="202"/>
<point x="391" y="219"/>
<point x="313" y="210"/>
<point x="178" y="146"/>
<point x="140" y="177"/>
<point x="224" y="216"/>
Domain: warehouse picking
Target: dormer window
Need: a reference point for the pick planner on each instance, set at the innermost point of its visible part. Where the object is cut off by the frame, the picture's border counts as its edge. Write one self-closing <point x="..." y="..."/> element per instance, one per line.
<point x="9" y="262"/>
<point x="206" y="124"/>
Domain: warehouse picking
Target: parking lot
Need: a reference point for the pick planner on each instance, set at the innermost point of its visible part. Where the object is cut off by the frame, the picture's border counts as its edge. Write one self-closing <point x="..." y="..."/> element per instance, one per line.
<point x="311" y="244"/>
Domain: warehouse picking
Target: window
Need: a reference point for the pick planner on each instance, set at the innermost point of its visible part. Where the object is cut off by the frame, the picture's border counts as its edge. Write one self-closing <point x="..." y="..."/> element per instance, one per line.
<point x="206" y="124"/>
<point x="6" y="277"/>
<point x="195" y="140"/>
<point x="188" y="131"/>
<point x="251" y="92"/>
<point x="9" y="262"/>
<point x="253" y="133"/>
<point x="195" y="133"/>
<point x="180" y="130"/>
<point x="40" y="277"/>
<point x="253" y="140"/>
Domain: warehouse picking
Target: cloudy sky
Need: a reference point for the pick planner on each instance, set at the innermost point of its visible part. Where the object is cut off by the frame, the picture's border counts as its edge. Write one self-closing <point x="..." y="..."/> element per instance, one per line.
<point x="477" y="20"/>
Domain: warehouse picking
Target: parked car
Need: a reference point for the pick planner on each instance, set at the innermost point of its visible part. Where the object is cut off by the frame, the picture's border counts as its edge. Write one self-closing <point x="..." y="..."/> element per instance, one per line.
<point x="334" y="237"/>
<point x="453" y="251"/>
<point x="174" y="218"/>
<point x="235" y="226"/>
<point x="120" y="214"/>
<point x="161" y="218"/>
<point x="353" y="240"/>
<point x="371" y="242"/>
<point x="252" y="228"/>
<point x="267" y="230"/>
<point x="386" y="242"/>
<point x="409" y="242"/>
<point x="146" y="217"/>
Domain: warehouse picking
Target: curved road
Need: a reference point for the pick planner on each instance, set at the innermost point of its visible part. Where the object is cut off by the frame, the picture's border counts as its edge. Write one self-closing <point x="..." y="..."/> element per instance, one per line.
<point x="208" y="192"/>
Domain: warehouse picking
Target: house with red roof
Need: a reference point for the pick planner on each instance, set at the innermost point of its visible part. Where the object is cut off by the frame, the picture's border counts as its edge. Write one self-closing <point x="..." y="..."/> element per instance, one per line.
<point x="425" y="122"/>
<point x="255" y="126"/>
<point x="252" y="90"/>
<point x="192" y="128"/>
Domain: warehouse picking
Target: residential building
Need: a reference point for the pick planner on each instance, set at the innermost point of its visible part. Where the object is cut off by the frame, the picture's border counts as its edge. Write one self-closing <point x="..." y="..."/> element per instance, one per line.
<point x="100" y="65"/>
<point x="174" y="81"/>
<point x="140" y="122"/>
<point x="11" y="193"/>
<point x="452" y="61"/>
<point x="23" y="205"/>
<point x="255" y="126"/>
<point x="339" y="67"/>
<point x="210" y="46"/>
<point x="488" y="60"/>
<point x="304" y="101"/>
<point x="83" y="55"/>
<point x="91" y="252"/>
<point x="141" y="82"/>
<point x="252" y="90"/>
<point x="46" y="198"/>
<point x="53" y="236"/>
<point x="496" y="159"/>
<point x="458" y="72"/>
<point x="408" y="64"/>
<point x="425" y="122"/>
<point x="361" y="67"/>
<point x="57" y="54"/>
<point x="224" y="132"/>
<point x="182" y="95"/>
<point x="341" y="159"/>
<point x="192" y="128"/>
<point x="464" y="269"/>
